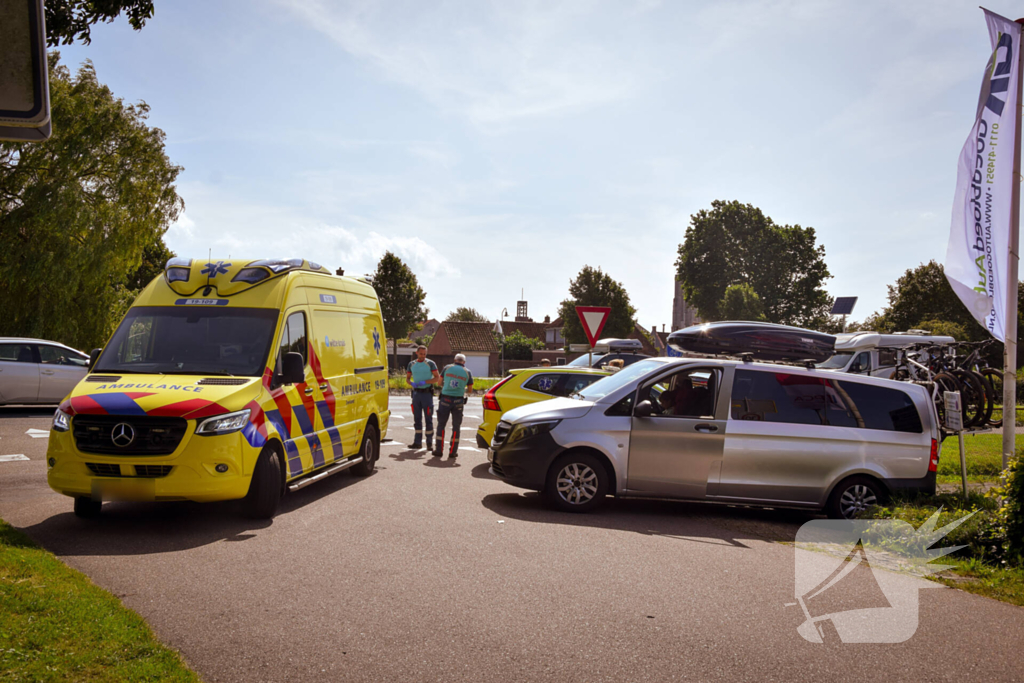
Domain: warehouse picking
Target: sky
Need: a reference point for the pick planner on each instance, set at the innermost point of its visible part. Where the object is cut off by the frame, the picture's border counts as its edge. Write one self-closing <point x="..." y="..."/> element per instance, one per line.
<point x="499" y="146"/>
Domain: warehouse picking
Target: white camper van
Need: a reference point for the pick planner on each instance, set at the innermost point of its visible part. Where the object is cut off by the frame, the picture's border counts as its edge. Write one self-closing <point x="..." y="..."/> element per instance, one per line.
<point x="874" y="353"/>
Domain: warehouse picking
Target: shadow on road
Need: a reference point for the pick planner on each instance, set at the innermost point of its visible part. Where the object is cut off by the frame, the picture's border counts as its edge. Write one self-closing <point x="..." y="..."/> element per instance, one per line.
<point x="27" y="411"/>
<point x="481" y="472"/>
<point x="146" y="528"/>
<point x="700" y="523"/>
<point x="409" y="454"/>
<point x="442" y="464"/>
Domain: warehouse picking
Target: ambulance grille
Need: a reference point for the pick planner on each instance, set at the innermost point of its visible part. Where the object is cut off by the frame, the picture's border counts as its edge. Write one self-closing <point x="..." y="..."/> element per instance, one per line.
<point x="152" y="435"/>
<point x="223" y="381"/>
<point x="103" y="469"/>
<point x="152" y="471"/>
<point x="102" y="378"/>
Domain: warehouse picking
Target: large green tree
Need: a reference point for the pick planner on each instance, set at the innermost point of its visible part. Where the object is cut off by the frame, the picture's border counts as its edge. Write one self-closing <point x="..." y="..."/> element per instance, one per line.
<point x="401" y="297"/>
<point x="79" y="211"/>
<point x="71" y="20"/>
<point x="592" y="287"/>
<point x="734" y="244"/>
<point x="922" y="298"/>
<point x="465" y="314"/>
<point x="741" y="303"/>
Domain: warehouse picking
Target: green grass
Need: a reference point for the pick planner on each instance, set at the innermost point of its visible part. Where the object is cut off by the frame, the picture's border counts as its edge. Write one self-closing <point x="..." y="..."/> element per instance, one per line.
<point x="997" y="414"/>
<point x="56" y="625"/>
<point x="974" y="576"/>
<point x="978" y="567"/>
<point x="984" y="457"/>
<point x="398" y="383"/>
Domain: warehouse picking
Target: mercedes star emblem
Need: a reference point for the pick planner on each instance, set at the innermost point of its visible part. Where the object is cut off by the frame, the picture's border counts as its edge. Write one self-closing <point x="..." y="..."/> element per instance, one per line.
<point x="122" y="434"/>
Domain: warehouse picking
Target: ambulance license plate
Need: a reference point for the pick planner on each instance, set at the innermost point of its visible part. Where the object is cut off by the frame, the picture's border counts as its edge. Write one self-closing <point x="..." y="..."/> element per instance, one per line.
<point x="124" y="489"/>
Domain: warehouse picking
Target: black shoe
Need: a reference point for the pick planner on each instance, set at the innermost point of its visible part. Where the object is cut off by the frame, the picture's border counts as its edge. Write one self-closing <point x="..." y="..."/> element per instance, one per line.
<point x="453" y="456"/>
<point x="415" y="446"/>
<point x="437" y="454"/>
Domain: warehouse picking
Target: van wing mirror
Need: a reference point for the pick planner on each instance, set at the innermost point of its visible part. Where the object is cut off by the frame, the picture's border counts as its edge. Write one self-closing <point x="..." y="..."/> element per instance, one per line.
<point x="94" y="356"/>
<point x="293" y="369"/>
<point x="856" y="368"/>
<point x="643" y="409"/>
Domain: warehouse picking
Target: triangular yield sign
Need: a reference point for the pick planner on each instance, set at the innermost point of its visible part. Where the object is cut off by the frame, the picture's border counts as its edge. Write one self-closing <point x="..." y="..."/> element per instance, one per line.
<point x="593" y="319"/>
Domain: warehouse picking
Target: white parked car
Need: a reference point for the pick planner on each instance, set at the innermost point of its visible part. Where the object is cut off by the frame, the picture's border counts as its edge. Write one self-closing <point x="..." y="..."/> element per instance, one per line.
<point x="38" y="371"/>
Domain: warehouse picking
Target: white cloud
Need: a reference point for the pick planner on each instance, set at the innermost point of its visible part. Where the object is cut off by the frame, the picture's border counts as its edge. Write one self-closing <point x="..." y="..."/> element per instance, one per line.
<point x="496" y="62"/>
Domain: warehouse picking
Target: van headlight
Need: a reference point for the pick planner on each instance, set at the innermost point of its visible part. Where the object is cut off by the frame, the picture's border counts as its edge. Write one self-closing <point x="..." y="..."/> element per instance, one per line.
<point x="61" y="421"/>
<point x="531" y="429"/>
<point x="223" y="424"/>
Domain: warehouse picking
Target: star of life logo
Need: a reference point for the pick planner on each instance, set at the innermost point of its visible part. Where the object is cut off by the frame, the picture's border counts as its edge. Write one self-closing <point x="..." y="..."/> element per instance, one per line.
<point x="858" y="581"/>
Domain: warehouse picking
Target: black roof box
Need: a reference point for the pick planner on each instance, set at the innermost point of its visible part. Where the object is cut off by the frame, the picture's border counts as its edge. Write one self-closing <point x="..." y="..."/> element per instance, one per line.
<point x="763" y="341"/>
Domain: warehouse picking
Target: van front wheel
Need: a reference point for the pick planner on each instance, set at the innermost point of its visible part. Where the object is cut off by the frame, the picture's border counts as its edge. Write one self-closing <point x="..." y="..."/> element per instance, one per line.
<point x="577" y="482"/>
<point x="265" y="488"/>
<point x="370" y="450"/>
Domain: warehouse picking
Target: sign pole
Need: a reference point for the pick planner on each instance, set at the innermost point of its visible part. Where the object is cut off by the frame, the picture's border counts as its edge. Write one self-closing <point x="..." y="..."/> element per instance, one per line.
<point x="1010" y="346"/>
<point x="963" y="462"/>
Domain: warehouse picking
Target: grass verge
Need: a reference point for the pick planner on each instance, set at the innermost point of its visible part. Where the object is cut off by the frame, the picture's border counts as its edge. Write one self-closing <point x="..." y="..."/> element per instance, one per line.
<point x="984" y="457"/>
<point x="980" y="566"/>
<point x="57" y="625"/>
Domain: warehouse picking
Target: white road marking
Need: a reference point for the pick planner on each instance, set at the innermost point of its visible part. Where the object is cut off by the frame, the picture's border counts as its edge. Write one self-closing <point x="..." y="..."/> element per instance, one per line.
<point x="11" y="458"/>
<point x="38" y="433"/>
<point x="467" y="448"/>
<point x="397" y="417"/>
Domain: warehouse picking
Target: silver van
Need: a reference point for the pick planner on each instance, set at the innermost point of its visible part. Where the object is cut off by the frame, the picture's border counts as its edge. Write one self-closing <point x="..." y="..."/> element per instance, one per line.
<point x="724" y="431"/>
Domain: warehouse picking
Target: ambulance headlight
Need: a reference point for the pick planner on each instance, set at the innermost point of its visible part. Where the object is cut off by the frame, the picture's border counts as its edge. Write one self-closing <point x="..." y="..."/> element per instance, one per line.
<point x="223" y="424"/>
<point x="61" y="421"/>
<point x="531" y="429"/>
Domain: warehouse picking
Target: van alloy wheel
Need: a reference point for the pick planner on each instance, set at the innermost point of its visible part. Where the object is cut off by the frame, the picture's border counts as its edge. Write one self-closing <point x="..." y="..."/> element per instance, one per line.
<point x="577" y="483"/>
<point x="856" y="499"/>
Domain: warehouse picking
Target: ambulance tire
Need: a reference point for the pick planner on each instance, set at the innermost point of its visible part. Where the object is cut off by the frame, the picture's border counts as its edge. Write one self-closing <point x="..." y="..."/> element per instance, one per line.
<point x="87" y="508"/>
<point x="370" y="450"/>
<point x="265" y="488"/>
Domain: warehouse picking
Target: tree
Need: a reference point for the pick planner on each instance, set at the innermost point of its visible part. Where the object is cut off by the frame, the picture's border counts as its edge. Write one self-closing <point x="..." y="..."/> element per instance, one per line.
<point x="736" y="244"/>
<point x="517" y="346"/>
<point x="71" y="20"/>
<point x="741" y="302"/>
<point x="79" y="211"/>
<point x="592" y="287"/>
<point x="401" y="298"/>
<point x="464" y="314"/>
<point x="922" y="299"/>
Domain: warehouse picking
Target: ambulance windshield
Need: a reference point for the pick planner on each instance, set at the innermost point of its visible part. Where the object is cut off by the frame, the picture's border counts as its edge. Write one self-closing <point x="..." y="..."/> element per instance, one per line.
<point x="191" y="340"/>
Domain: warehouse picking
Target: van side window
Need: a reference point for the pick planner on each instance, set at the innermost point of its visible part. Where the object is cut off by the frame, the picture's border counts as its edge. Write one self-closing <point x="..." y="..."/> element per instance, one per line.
<point x="789" y="398"/>
<point x="886" y="358"/>
<point x="293" y="337"/>
<point x="883" y="408"/>
<point x="689" y="393"/>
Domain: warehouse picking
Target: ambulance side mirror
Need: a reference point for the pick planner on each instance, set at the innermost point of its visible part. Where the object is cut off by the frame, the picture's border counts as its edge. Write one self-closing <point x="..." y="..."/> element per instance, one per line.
<point x="293" y="369"/>
<point x="94" y="356"/>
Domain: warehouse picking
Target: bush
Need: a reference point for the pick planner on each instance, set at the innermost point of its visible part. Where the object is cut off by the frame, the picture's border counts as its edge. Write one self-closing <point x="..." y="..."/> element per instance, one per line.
<point x="520" y="347"/>
<point x="1011" y="513"/>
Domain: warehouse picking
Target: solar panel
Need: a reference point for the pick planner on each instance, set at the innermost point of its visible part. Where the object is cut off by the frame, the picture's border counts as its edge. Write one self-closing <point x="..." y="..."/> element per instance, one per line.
<point x="844" y="305"/>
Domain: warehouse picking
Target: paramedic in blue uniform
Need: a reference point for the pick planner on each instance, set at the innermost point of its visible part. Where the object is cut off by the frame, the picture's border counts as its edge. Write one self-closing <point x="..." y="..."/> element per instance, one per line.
<point x="422" y="375"/>
<point x="456" y="383"/>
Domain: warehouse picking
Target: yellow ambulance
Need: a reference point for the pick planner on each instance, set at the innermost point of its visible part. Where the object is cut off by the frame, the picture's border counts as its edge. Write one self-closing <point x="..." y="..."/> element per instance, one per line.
<point x="227" y="379"/>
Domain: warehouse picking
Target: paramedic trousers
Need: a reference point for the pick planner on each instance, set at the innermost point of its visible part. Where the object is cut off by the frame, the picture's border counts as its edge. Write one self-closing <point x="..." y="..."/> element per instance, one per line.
<point x="449" y="405"/>
<point x="422" y="411"/>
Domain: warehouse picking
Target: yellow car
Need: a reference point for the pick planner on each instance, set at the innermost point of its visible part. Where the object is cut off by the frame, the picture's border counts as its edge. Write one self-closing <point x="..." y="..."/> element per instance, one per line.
<point x="529" y="385"/>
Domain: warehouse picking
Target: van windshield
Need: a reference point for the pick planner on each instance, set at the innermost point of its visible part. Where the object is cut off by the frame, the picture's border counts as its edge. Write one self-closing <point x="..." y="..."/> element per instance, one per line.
<point x="193" y="340"/>
<point x="603" y="387"/>
<point x="836" y="362"/>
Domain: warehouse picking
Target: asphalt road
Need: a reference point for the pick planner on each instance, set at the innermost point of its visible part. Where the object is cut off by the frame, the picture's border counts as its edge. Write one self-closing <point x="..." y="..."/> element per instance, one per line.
<point x="434" y="571"/>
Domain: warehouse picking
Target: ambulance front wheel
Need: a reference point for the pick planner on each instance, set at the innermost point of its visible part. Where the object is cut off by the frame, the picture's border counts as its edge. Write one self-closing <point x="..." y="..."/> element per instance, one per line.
<point x="370" y="450"/>
<point x="87" y="508"/>
<point x="265" y="488"/>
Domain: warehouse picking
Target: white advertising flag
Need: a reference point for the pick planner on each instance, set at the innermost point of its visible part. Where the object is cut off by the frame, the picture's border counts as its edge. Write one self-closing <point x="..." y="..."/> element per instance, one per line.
<point x="979" y="237"/>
